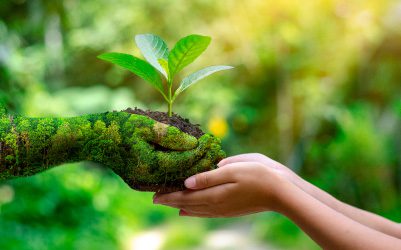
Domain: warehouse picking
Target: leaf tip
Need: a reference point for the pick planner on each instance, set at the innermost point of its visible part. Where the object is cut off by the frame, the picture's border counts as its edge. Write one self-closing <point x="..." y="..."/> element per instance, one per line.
<point x="206" y="39"/>
<point x="139" y="36"/>
<point x="102" y="56"/>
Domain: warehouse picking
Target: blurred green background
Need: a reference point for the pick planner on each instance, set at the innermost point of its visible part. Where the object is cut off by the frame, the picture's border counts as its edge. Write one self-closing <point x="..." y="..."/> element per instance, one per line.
<point x="317" y="86"/>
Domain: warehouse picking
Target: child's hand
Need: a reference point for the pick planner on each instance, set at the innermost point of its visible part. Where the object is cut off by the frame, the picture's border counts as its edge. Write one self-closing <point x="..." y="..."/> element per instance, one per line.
<point x="256" y="157"/>
<point x="250" y="183"/>
<point x="233" y="190"/>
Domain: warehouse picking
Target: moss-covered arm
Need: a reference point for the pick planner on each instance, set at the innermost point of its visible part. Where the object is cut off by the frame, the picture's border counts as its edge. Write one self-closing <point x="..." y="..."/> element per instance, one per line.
<point x="147" y="155"/>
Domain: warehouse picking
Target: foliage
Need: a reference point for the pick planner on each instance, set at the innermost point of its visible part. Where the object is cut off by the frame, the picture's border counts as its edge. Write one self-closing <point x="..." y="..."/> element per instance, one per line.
<point x="156" y="52"/>
<point x="53" y="210"/>
<point x="316" y="83"/>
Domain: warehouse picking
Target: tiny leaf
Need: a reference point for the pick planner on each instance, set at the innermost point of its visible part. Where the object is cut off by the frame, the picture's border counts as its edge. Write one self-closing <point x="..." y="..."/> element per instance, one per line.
<point x="198" y="75"/>
<point x="186" y="51"/>
<point x="137" y="66"/>
<point x="153" y="48"/>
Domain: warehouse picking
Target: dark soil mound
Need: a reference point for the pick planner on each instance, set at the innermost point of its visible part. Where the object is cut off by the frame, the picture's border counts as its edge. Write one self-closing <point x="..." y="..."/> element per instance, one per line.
<point x="182" y="123"/>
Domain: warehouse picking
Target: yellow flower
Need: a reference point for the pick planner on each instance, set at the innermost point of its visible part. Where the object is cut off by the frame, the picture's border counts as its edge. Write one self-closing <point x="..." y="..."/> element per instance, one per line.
<point x="218" y="126"/>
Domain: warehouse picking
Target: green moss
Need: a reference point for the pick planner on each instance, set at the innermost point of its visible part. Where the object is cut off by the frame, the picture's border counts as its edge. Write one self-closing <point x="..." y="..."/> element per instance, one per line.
<point x="10" y="158"/>
<point x="184" y="142"/>
<point x="146" y="154"/>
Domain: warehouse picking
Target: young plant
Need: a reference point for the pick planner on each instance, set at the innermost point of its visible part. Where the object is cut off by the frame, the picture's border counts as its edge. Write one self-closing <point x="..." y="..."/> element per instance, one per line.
<point x="159" y="60"/>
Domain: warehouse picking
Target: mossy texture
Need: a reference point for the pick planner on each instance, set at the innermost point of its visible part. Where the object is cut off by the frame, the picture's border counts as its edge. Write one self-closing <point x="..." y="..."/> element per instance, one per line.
<point x="147" y="155"/>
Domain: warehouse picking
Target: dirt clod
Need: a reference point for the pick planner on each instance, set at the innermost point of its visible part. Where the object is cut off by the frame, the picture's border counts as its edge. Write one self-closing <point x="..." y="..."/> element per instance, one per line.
<point x="182" y="123"/>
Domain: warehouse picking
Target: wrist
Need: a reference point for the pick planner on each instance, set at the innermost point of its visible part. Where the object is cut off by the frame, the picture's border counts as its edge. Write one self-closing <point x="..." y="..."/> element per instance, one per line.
<point x="99" y="136"/>
<point x="289" y="200"/>
<point x="282" y="191"/>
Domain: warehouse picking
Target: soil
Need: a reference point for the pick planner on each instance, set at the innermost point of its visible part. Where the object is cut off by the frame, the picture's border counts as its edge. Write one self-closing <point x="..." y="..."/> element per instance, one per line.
<point x="182" y="123"/>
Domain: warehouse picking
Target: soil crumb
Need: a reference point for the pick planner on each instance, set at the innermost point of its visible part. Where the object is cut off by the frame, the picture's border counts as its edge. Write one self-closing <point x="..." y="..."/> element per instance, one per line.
<point x="182" y="123"/>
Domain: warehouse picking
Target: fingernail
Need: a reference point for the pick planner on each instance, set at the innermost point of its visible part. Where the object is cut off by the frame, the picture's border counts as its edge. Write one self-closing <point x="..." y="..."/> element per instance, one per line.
<point x="182" y="213"/>
<point x="190" y="182"/>
<point x="156" y="200"/>
<point x="220" y="163"/>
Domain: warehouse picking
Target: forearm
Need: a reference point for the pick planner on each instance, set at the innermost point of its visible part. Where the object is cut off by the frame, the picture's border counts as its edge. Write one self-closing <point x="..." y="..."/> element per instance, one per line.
<point x="329" y="228"/>
<point x="32" y="145"/>
<point x="147" y="155"/>
<point x="366" y="218"/>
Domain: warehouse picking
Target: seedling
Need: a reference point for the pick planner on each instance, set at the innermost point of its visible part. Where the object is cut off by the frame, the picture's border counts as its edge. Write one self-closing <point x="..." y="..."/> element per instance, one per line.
<point x="159" y="60"/>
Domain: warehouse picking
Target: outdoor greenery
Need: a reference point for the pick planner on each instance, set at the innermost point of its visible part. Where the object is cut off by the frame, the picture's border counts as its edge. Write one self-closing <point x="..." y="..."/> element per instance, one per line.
<point x="316" y="85"/>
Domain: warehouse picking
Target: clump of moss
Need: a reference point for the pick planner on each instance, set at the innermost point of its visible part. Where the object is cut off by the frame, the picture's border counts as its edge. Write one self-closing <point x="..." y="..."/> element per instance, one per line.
<point x="147" y="155"/>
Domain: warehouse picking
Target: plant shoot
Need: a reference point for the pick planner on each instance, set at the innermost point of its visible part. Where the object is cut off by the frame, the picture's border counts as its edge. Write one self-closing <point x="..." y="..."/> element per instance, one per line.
<point x="162" y="65"/>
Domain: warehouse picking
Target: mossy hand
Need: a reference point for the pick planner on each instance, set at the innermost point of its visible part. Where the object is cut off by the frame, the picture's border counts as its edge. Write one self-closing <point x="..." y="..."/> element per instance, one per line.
<point x="147" y="155"/>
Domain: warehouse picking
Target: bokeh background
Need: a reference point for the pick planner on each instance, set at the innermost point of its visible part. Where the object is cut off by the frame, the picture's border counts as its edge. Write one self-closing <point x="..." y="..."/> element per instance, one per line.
<point x="316" y="85"/>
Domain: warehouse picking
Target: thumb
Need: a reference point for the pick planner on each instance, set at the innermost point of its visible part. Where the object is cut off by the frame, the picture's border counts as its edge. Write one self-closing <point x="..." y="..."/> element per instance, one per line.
<point x="209" y="179"/>
<point x="172" y="138"/>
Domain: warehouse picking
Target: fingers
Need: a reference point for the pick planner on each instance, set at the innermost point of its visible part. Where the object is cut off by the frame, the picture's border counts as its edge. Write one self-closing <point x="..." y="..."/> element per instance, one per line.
<point x="195" y="159"/>
<point x="177" y="199"/>
<point x="169" y="169"/>
<point x="182" y="212"/>
<point x="236" y="158"/>
<point x="209" y="179"/>
<point x="178" y="161"/>
<point x="215" y="177"/>
<point x="250" y="157"/>
<point x="200" y="203"/>
<point x="208" y="162"/>
<point x="202" y="158"/>
<point x="172" y="138"/>
<point x="210" y="197"/>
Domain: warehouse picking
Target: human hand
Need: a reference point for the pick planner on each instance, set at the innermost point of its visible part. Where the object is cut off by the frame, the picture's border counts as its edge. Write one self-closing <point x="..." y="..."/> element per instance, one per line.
<point x="146" y="154"/>
<point x="233" y="190"/>
<point x="257" y="157"/>
<point x="159" y="158"/>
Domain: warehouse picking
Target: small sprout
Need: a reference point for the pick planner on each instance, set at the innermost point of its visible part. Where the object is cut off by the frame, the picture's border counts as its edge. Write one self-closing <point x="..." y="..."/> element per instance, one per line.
<point x="160" y="61"/>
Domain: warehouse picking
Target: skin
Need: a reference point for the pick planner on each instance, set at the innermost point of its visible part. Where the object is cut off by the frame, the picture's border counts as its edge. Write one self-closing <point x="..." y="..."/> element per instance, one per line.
<point x="251" y="183"/>
<point x="146" y="154"/>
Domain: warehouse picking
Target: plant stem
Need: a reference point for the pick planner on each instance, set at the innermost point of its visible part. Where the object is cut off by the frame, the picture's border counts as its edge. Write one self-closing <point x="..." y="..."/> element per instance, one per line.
<point x="170" y="112"/>
<point x="170" y="101"/>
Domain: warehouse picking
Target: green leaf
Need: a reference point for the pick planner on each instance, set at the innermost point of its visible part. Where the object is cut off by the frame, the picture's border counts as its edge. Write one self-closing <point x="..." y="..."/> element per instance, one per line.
<point x="198" y="75"/>
<point x="153" y="48"/>
<point x="186" y="51"/>
<point x="164" y="63"/>
<point x="137" y="66"/>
